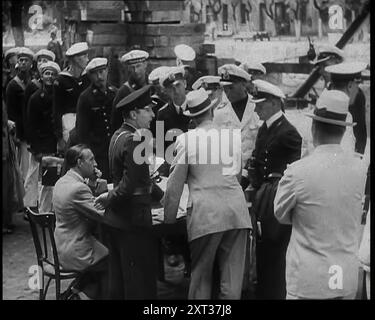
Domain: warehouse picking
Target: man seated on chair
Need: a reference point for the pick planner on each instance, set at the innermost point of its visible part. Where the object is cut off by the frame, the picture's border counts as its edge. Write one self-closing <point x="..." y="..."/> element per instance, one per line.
<point x="73" y="202"/>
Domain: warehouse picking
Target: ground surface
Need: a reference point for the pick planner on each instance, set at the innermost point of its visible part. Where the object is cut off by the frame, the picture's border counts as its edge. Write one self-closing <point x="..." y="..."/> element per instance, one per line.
<point x="19" y="256"/>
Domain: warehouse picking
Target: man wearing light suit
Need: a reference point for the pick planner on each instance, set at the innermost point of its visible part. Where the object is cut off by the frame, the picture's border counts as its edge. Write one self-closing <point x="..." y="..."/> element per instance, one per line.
<point x="73" y="202"/>
<point x="320" y="196"/>
<point x="217" y="217"/>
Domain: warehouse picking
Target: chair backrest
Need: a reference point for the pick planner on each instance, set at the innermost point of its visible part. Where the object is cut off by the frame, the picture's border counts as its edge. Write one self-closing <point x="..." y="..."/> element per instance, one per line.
<point x="42" y="228"/>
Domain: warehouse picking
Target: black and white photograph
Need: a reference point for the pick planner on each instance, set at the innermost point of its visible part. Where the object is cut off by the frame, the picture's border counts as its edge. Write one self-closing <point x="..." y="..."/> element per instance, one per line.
<point x="186" y="151"/>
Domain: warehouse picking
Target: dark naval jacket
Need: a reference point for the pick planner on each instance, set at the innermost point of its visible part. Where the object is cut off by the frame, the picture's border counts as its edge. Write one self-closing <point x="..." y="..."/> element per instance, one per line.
<point x="275" y="147"/>
<point x="15" y="103"/>
<point x="172" y="120"/>
<point x="67" y="90"/>
<point x="93" y="123"/>
<point x="40" y="122"/>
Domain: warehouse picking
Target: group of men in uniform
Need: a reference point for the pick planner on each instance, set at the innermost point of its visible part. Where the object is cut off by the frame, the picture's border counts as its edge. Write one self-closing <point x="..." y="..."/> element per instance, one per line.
<point x="80" y="106"/>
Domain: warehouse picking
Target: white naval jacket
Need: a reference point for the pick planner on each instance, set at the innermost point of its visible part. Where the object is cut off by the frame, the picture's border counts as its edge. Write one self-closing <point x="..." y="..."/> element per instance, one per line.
<point x="225" y="116"/>
<point x="216" y="201"/>
<point x="321" y="196"/>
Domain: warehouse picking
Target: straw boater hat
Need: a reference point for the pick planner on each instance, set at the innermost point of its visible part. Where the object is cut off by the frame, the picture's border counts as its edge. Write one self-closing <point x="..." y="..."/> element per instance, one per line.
<point x="332" y="107"/>
<point x="198" y="102"/>
<point x="76" y="49"/>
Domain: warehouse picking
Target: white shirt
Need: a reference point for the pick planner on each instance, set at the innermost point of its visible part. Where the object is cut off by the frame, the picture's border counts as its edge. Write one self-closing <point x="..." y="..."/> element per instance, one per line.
<point x="271" y="120"/>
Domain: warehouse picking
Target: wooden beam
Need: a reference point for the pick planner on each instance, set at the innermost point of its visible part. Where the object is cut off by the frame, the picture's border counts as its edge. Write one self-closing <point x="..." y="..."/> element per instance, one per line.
<point x="273" y="67"/>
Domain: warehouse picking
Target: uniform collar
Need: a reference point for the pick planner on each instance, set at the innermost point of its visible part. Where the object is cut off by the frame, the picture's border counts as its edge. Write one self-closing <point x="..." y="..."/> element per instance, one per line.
<point x="271" y="120"/>
<point x="328" y="148"/>
<point x="95" y="89"/>
<point x="129" y="126"/>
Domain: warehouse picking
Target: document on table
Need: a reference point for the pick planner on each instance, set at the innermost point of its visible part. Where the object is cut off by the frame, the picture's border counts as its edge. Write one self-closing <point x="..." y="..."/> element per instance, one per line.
<point x="158" y="213"/>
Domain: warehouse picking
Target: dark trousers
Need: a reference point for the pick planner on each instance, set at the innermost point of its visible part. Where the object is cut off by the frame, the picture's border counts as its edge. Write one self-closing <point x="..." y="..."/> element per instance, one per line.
<point x="94" y="281"/>
<point x="133" y="264"/>
<point x="270" y="261"/>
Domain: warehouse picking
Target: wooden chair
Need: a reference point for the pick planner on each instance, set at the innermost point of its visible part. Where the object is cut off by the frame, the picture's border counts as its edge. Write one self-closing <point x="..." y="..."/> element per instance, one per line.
<point x="42" y="228"/>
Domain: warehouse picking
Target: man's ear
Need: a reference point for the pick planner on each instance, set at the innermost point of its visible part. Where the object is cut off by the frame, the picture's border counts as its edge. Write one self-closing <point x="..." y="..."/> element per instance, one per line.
<point x="133" y="114"/>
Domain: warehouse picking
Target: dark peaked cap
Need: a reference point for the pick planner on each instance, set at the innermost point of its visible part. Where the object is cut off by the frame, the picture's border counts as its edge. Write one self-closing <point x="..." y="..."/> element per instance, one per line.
<point x="136" y="100"/>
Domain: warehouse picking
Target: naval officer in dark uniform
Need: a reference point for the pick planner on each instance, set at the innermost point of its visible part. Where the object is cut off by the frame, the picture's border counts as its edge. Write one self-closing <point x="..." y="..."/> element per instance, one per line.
<point x="174" y="84"/>
<point x="278" y="144"/>
<point x="67" y="88"/>
<point x="159" y="97"/>
<point x="133" y="256"/>
<point x="347" y="77"/>
<point x="136" y="63"/>
<point x="94" y="113"/>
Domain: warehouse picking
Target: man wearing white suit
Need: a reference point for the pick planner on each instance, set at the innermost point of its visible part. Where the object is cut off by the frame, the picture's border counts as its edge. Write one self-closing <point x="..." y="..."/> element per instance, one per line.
<point x="217" y="217"/>
<point x="321" y="197"/>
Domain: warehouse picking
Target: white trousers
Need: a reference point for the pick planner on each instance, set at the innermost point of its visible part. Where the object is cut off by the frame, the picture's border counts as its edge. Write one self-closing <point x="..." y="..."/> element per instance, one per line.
<point x="228" y="250"/>
<point x="34" y="192"/>
<point x="31" y="183"/>
<point x="24" y="157"/>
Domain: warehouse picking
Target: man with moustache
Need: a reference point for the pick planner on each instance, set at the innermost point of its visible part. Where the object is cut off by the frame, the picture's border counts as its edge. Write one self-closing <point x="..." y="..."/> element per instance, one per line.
<point x="136" y="64"/>
<point x="43" y="141"/>
<point x="133" y="249"/>
<point x="69" y="84"/>
<point x="94" y="112"/>
<point x="15" y="102"/>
